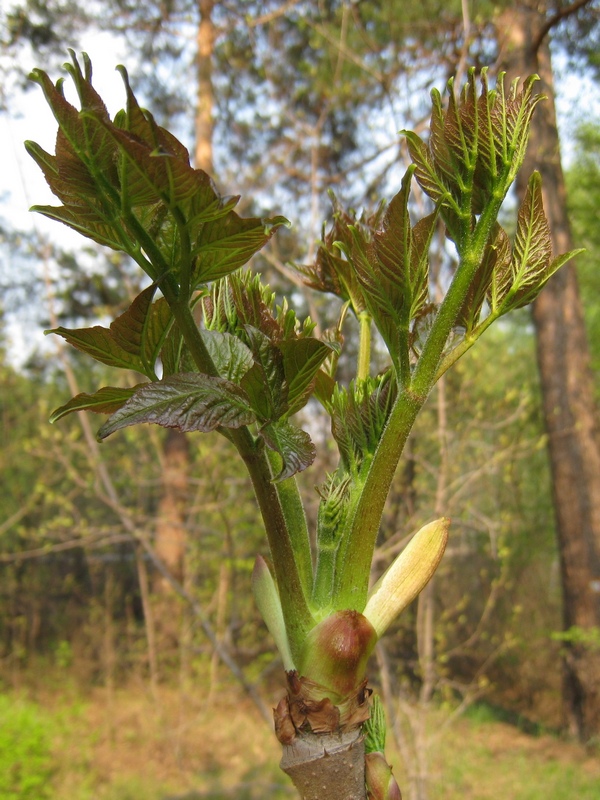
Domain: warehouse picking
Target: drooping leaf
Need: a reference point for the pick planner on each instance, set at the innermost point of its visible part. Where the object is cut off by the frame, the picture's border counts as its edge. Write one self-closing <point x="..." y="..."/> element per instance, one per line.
<point x="293" y="445"/>
<point x="99" y="343"/>
<point x="105" y="401"/>
<point x="86" y="221"/>
<point x="188" y="402"/>
<point x="229" y="242"/>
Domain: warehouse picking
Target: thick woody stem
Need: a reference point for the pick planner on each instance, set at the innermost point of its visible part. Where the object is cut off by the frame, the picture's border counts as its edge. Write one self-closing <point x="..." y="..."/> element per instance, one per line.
<point x="324" y="766"/>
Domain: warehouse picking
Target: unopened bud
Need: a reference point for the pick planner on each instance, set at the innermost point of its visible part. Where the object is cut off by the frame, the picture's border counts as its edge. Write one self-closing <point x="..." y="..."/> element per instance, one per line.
<point x="408" y="575"/>
<point x="381" y="784"/>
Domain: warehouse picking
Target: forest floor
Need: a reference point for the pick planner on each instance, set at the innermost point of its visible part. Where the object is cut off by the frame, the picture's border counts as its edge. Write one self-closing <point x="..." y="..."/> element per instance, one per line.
<point x="129" y="743"/>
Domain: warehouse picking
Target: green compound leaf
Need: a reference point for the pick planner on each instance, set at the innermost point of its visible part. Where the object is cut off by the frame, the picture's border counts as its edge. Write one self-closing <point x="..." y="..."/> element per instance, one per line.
<point x="128" y="184"/>
<point x="188" y="402"/>
<point x="475" y="149"/>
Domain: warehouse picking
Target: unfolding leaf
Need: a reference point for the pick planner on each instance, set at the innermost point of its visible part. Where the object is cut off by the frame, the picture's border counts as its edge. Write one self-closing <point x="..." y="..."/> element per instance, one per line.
<point x="532" y="248"/>
<point x="229" y="242"/>
<point x="359" y="415"/>
<point x="293" y="445"/>
<point x="425" y="172"/>
<point x="265" y="382"/>
<point x="475" y="149"/>
<point x="302" y="359"/>
<point x="86" y="221"/>
<point x="229" y="354"/>
<point x="393" y="269"/>
<point x="188" y="402"/>
<point x="128" y="184"/>
<point x="105" y="401"/>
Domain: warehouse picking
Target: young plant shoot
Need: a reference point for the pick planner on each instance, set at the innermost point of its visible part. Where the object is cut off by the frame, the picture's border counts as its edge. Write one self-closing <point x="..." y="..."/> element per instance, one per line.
<point x="247" y="369"/>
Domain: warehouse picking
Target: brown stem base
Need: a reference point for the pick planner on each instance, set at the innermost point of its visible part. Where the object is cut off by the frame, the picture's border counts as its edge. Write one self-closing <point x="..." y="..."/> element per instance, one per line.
<point x="327" y="766"/>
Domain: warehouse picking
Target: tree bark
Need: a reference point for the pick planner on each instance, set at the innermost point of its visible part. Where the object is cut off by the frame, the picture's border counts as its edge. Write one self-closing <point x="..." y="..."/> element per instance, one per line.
<point x="203" y="157"/>
<point x="170" y="540"/>
<point x="566" y="381"/>
<point x="324" y="766"/>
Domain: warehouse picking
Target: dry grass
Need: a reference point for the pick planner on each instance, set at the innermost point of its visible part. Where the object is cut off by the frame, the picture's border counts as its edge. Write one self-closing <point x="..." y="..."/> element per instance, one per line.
<point x="126" y="743"/>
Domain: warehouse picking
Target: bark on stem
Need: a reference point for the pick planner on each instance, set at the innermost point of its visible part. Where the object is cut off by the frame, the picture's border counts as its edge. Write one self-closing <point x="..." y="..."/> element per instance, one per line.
<point x="324" y="766"/>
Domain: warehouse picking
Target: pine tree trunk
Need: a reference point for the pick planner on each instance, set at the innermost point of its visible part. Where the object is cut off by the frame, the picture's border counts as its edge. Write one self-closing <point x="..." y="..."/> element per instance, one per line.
<point x="170" y="542"/>
<point x="205" y="39"/>
<point x="566" y="380"/>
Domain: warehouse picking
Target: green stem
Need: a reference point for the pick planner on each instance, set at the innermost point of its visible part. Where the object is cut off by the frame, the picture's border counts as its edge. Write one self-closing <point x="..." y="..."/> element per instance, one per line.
<point x="296" y="612"/>
<point x="324" y="574"/>
<point x="465" y="345"/>
<point x="364" y="349"/>
<point x="352" y="580"/>
<point x="295" y="517"/>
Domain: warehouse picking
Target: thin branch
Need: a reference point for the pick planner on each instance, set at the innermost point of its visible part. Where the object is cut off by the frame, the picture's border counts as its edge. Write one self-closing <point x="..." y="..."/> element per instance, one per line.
<point x="555" y="19"/>
<point x="464" y="52"/>
<point x="266" y="18"/>
<point x="40" y="552"/>
<point x="19" y="514"/>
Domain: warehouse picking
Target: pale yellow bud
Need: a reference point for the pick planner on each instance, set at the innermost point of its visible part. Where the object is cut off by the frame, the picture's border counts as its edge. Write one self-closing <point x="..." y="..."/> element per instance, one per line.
<point x="408" y="575"/>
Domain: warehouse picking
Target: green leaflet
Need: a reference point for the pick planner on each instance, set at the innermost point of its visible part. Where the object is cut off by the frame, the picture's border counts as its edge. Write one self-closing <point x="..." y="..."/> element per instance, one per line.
<point x="494" y="264"/>
<point x="265" y="382"/>
<point x="188" y="402"/>
<point x="105" y="401"/>
<point x="393" y="270"/>
<point x="293" y="445"/>
<point x="231" y="357"/>
<point x="520" y="274"/>
<point x="133" y="340"/>
<point x="302" y="359"/>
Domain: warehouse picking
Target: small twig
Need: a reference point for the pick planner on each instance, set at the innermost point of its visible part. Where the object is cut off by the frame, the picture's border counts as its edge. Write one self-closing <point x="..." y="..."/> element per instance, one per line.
<point x="554" y="20"/>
